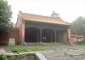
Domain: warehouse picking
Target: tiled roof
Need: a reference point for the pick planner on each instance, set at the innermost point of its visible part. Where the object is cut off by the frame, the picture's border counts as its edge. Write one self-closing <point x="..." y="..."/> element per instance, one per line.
<point x="40" y="18"/>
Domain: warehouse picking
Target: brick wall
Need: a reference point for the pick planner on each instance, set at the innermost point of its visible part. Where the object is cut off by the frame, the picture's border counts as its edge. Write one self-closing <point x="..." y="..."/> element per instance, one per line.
<point x="73" y="39"/>
<point x="19" y="25"/>
<point x="4" y="37"/>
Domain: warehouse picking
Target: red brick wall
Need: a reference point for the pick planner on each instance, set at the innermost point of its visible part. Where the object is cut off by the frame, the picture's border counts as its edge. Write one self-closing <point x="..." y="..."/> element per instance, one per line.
<point x="21" y="27"/>
<point x="4" y="37"/>
<point x="73" y="39"/>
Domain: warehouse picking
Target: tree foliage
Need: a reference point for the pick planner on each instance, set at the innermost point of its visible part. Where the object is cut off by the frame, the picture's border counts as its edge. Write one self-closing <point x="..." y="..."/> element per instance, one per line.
<point x="78" y="26"/>
<point x="5" y="16"/>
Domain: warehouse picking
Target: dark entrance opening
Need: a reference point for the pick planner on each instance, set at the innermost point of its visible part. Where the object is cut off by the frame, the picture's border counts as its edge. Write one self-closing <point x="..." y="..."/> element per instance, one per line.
<point x="47" y="35"/>
<point x="32" y="34"/>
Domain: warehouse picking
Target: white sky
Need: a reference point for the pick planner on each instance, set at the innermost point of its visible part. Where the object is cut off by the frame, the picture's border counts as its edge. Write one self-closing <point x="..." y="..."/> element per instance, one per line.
<point x="68" y="10"/>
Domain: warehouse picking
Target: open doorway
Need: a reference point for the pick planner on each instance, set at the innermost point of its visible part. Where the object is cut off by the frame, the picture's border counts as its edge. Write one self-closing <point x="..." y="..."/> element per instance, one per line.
<point x="47" y="35"/>
<point x="32" y="34"/>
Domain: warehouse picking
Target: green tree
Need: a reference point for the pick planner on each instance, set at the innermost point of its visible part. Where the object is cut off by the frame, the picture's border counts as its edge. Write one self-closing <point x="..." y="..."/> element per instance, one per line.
<point x="78" y="26"/>
<point x="5" y="16"/>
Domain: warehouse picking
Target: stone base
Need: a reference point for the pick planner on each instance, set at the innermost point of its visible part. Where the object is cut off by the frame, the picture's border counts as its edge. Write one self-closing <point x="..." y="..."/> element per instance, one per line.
<point x="69" y="41"/>
<point x="22" y="41"/>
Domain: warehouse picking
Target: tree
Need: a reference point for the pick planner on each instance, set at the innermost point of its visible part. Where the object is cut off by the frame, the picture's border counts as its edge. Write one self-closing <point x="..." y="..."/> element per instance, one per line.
<point x="5" y="16"/>
<point x="78" y="26"/>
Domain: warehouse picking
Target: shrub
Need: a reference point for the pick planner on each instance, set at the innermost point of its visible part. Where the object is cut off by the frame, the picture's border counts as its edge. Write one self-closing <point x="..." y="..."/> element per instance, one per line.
<point x="81" y="42"/>
<point x="22" y="57"/>
<point x="3" y="57"/>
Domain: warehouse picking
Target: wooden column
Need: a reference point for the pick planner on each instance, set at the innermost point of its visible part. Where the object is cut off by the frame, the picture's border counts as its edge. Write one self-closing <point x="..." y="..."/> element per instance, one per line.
<point x="23" y="32"/>
<point x="68" y="35"/>
<point x="40" y="35"/>
<point x="37" y="36"/>
<point x="51" y="37"/>
<point x="55" y="35"/>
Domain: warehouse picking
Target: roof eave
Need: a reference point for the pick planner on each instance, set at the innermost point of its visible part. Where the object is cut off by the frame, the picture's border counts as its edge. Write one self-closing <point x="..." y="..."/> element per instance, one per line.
<point x="47" y="22"/>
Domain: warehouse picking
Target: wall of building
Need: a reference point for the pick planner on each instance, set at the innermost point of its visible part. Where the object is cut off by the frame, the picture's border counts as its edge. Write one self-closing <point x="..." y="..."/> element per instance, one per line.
<point x="73" y="39"/>
<point x="4" y="37"/>
<point x="19" y="25"/>
<point x="65" y="37"/>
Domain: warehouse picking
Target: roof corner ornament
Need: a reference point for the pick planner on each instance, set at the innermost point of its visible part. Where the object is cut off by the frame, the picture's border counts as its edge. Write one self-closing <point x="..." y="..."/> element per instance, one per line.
<point x="20" y="11"/>
<point x="54" y="14"/>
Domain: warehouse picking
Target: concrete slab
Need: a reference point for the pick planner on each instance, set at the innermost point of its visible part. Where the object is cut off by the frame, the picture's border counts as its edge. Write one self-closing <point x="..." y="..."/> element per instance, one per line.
<point x="22" y="53"/>
<point x="40" y="56"/>
<point x="9" y="54"/>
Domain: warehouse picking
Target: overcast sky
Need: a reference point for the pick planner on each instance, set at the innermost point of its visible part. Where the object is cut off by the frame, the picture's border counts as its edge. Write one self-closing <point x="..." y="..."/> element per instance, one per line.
<point x="68" y="10"/>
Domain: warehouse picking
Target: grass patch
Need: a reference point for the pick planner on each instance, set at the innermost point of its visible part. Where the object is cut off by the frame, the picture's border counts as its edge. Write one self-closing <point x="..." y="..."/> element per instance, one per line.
<point x="18" y="48"/>
<point x="37" y="48"/>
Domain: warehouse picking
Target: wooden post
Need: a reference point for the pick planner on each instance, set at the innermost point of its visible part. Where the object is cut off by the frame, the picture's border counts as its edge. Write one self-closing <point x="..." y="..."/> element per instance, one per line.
<point x="40" y="35"/>
<point x="23" y="32"/>
<point x="69" y="35"/>
<point x="51" y="36"/>
<point x="55" y="35"/>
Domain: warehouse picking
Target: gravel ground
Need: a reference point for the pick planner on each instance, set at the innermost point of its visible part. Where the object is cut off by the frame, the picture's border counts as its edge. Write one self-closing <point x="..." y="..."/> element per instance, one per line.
<point x="67" y="58"/>
<point x="62" y="56"/>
